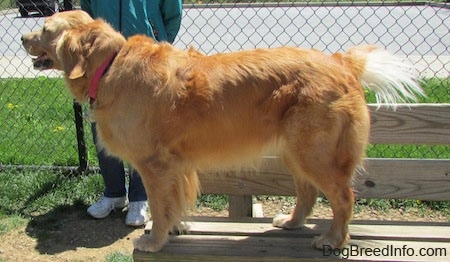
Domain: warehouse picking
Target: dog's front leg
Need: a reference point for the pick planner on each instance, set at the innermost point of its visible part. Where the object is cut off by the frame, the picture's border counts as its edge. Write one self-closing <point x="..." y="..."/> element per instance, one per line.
<point x="163" y="193"/>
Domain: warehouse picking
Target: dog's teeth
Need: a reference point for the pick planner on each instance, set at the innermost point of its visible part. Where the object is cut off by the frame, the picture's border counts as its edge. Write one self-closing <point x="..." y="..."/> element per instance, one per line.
<point x="39" y="58"/>
<point x="41" y="62"/>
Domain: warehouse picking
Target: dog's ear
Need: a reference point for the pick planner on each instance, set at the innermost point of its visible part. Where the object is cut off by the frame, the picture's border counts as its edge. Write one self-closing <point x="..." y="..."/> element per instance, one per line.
<point x="78" y="69"/>
<point x="70" y="55"/>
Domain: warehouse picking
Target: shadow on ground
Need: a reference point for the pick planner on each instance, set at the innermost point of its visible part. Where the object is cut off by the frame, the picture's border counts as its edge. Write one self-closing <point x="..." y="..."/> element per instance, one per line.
<point x="70" y="227"/>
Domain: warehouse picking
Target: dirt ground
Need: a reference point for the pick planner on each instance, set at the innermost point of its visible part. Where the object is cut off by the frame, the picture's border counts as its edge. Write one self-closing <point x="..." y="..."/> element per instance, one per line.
<point x="74" y="236"/>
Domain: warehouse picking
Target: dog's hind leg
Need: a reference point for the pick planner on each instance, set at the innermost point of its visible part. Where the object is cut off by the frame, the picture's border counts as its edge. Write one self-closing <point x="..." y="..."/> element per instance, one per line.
<point x="341" y="199"/>
<point x="306" y="198"/>
<point x="315" y="171"/>
<point x="322" y="153"/>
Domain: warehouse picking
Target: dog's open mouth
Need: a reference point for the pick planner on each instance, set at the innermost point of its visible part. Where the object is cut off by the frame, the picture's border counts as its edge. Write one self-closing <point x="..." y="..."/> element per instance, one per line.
<point x="42" y="62"/>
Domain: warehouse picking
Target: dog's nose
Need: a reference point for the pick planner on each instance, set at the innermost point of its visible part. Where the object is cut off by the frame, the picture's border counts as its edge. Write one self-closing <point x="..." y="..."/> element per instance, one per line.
<point x="22" y="39"/>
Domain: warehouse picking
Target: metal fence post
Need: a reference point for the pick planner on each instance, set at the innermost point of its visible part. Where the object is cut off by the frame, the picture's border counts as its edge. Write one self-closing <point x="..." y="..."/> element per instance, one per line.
<point x="82" y="150"/>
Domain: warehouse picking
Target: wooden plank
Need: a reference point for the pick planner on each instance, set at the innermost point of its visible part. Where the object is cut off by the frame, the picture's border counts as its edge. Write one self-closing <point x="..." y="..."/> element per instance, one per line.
<point x="411" y="124"/>
<point x="214" y="248"/>
<point x="270" y="178"/>
<point x="244" y="241"/>
<point x="424" y="179"/>
<point x="405" y="179"/>
<point x="359" y="229"/>
<point x="170" y="257"/>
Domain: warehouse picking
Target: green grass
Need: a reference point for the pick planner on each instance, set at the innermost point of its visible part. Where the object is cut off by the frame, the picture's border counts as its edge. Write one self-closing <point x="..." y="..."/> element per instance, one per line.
<point x="119" y="257"/>
<point x="41" y="200"/>
<point x="213" y="201"/>
<point x="37" y="124"/>
<point x="437" y="90"/>
<point x="10" y="222"/>
<point x="29" y="193"/>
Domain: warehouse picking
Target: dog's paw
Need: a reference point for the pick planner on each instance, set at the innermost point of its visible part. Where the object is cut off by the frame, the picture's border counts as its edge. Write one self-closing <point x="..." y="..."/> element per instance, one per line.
<point x="286" y="222"/>
<point x="180" y="229"/>
<point x="329" y="241"/>
<point x="146" y="243"/>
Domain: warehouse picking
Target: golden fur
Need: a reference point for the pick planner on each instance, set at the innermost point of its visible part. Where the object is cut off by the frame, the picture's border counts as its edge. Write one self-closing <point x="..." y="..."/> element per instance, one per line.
<point x="171" y="112"/>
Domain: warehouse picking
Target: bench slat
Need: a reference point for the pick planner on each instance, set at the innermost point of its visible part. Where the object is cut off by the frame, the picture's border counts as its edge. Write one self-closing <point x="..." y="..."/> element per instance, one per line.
<point x="424" y="179"/>
<point x="359" y="229"/>
<point x="427" y="124"/>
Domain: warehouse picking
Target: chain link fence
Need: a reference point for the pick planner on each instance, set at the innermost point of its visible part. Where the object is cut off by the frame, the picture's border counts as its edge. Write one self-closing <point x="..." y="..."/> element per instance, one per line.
<point x="36" y="113"/>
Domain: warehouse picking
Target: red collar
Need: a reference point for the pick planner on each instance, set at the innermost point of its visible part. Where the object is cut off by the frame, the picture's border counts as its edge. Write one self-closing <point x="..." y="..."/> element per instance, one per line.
<point x="99" y="73"/>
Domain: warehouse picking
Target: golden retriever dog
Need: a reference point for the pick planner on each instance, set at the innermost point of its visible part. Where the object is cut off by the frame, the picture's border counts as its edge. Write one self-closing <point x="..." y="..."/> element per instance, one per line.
<point x="170" y="113"/>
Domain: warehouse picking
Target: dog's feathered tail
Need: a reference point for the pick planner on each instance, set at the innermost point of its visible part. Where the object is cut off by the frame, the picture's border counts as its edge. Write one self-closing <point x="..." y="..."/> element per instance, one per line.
<point x="391" y="79"/>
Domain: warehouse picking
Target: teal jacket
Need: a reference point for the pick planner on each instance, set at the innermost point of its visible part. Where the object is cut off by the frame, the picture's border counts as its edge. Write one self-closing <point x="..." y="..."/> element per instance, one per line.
<point x="159" y="19"/>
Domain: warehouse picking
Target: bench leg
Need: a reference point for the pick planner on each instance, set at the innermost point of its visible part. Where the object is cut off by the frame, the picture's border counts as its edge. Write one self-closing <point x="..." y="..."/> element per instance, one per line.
<point x="240" y="206"/>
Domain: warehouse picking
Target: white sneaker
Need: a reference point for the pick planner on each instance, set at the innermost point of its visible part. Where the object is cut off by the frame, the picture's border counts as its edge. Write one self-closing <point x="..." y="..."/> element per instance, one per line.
<point x="105" y="205"/>
<point x="137" y="213"/>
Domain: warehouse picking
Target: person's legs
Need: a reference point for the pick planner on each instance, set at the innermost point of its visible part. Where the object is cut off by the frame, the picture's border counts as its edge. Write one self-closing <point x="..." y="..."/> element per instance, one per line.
<point x="137" y="209"/>
<point x="113" y="174"/>
<point x="136" y="190"/>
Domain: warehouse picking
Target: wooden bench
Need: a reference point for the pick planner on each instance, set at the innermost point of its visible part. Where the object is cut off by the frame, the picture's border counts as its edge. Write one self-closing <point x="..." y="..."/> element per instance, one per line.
<point x="241" y="237"/>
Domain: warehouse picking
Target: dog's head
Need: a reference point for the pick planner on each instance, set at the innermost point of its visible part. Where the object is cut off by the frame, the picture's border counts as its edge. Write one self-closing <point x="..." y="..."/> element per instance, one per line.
<point x="81" y="49"/>
<point x="74" y="43"/>
<point x="42" y="44"/>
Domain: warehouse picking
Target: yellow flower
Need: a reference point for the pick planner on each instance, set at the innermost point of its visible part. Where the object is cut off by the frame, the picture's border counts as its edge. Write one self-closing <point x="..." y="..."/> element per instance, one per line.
<point x="58" y="129"/>
<point x="12" y="106"/>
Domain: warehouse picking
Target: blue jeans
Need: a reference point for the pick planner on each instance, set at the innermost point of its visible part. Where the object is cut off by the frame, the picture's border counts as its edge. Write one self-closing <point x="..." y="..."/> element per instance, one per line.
<point x="113" y="173"/>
